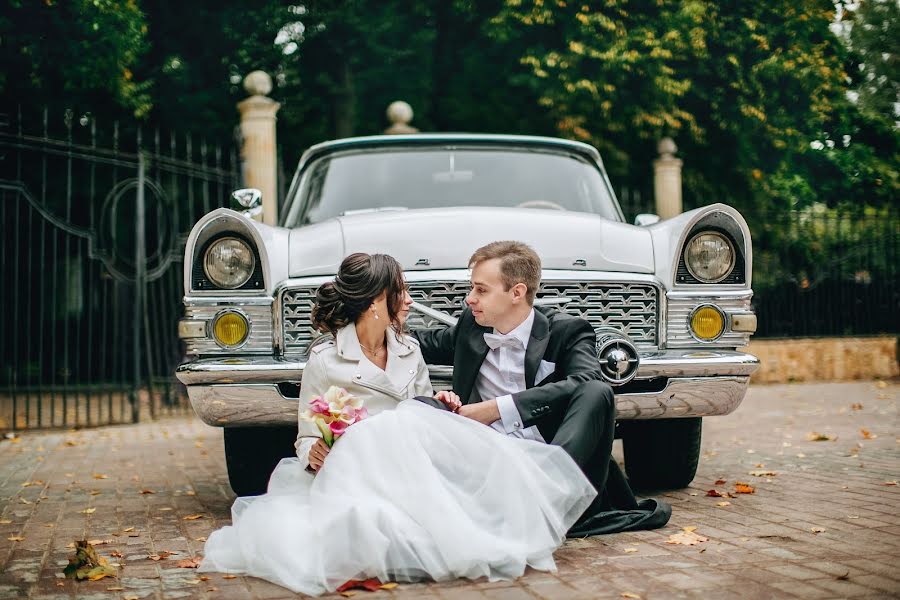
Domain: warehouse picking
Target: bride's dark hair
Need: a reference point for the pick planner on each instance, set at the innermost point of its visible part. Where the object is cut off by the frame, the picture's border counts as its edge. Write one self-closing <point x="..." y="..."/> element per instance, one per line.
<point x="361" y="278"/>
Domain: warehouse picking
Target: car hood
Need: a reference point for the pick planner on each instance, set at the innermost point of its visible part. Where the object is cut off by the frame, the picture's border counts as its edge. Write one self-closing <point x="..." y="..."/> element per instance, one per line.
<point x="445" y="238"/>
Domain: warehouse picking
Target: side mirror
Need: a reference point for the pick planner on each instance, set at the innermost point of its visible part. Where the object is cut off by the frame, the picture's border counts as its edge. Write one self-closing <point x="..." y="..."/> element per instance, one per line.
<point x="250" y="199"/>
<point x="644" y="219"/>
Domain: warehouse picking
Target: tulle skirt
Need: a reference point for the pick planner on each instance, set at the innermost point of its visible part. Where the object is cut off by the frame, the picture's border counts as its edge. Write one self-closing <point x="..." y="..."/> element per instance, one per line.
<point x="409" y="494"/>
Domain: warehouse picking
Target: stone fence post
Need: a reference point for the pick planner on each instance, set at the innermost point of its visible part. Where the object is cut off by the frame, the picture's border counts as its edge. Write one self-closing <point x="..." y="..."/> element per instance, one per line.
<point x="667" y="179"/>
<point x="258" y="149"/>
<point x="400" y="114"/>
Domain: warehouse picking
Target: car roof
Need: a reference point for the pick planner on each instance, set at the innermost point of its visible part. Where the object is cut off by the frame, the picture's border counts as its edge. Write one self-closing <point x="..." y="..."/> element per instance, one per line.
<point x="439" y="139"/>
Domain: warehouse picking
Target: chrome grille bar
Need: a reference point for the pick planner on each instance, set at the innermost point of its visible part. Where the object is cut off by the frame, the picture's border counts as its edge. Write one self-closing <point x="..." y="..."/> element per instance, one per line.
<point x="630" y="307"/>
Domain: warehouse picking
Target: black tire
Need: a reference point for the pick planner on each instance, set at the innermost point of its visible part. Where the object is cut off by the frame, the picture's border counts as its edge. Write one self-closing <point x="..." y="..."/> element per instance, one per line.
<point x="662" y="454"/>
<point x="251" y="454"/>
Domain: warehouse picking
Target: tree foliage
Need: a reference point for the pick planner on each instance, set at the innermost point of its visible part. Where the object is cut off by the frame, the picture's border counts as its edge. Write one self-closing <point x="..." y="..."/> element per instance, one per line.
<point x="83" y="51"/>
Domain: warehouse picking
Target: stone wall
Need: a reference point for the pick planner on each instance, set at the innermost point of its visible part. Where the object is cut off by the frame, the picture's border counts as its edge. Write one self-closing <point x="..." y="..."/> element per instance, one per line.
<point x="826" y="359"/>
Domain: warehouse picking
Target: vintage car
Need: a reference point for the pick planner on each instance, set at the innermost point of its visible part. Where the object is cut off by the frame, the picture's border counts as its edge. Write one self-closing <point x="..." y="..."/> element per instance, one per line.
<point x="670" y="300"/>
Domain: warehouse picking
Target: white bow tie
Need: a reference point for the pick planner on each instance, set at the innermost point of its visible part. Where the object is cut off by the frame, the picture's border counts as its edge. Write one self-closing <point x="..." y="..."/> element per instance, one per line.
<point x="495" y="340"/>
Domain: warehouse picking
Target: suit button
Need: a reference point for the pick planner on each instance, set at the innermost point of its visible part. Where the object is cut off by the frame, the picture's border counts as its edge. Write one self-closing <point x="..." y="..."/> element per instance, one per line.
<point x="358" y="376"/>
<point x="516" y="424"/>
<point x="411" y="371"/>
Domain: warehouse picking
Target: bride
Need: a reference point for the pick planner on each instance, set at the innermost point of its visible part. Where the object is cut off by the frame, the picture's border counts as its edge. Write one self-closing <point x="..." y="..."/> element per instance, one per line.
<point x="409" y="493"/>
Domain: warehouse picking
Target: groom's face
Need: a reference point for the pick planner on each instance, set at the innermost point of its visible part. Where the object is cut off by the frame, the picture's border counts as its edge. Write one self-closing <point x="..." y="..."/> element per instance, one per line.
<point x="488" y="299"/>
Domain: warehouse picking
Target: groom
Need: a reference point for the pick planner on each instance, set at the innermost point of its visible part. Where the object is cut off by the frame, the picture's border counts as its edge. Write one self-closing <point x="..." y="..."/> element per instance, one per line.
<point x="535" y="375"/>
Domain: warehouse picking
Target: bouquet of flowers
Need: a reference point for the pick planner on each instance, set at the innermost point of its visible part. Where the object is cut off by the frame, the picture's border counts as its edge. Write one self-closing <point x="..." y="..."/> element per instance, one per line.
<point x="333" y="412"/>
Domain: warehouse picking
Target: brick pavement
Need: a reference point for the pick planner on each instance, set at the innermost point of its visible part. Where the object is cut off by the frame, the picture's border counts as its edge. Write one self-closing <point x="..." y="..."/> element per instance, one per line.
<point x="825" y="525"/>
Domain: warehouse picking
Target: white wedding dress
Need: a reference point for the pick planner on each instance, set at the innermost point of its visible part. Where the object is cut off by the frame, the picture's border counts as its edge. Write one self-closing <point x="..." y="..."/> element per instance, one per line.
<point x="408" y="494"/>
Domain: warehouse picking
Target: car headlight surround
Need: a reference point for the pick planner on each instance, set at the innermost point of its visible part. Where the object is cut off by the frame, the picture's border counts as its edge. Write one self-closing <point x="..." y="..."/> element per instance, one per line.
<point x="229" y="262"/>
<point x="706" y="323"/>
<point x="230" y="328"/>
<point x="709" y="256"/>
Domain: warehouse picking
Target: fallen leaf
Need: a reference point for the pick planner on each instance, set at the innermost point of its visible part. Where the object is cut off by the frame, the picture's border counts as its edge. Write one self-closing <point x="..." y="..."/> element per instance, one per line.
<point x="200" y="539"/>
<point x="96" y="492"/>
<point x="161" y="555"/>
<point x="892" y="482"/>
<point x="763" y="473"/>
<point x="24" y="501"/>
<point x="31" y="483"/>
<point x="192" y="517"/>
<point x="5" y="521"/>
<point x="720" y="482"/>
<point x="86" y="564"/>
<point x="348" y="594"/>
<point x="100" y="476"/>
<point x="843" y="577"/>
<point x="115" y="589"/>
<point x="743" y="488"/>
<point x="115" y="554"/>
<point x="229" y="576"/>
<point x="147" y="492"/>
<point x="165" y="508"/>
<point x="16" y="538"/>
<point x="819" y="437"/>
<point x="856" y="406"/>
<point x="371" y="585"/>
<point x="817" y="530"/>
<point x="687" y="537"/>
<point x="100" y="542"/>
<point x="127" y="529"/>
<point x="723" y="503"/>
<point x="714" y="494"/>
<point x="801" y="455"/>
<point x="388" y="586"/>
<point x="630" y="550"/>
<point x="630" y="595"/>
<point x="868" y="435"/>
<point x="88" y="511"/>
<point x="189" y="563"/>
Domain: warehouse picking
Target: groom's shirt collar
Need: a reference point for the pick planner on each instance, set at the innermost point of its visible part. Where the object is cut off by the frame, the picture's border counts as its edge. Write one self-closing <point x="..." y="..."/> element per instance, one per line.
<point x="523" y="331"/>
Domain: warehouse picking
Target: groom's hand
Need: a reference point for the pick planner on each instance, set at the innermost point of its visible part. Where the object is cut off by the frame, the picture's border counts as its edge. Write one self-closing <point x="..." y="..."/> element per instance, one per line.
<point x="484" y="412"/>
<point x="317" y="454"/>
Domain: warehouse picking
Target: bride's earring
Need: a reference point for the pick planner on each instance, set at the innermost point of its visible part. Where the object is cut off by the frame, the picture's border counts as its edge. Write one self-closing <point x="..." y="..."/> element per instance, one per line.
<point x="376" y="314"/>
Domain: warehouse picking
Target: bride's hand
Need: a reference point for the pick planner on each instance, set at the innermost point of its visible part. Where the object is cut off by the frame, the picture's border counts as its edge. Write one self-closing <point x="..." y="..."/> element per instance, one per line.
<point x="317" y="454"/>
<point x="450" y="399"/>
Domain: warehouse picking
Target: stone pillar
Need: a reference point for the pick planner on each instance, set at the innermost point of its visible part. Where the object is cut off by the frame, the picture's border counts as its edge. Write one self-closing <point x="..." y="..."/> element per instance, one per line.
<point x="258" y="150"/>
<point x="400" y="113"/>
<point x="667" y="179"/>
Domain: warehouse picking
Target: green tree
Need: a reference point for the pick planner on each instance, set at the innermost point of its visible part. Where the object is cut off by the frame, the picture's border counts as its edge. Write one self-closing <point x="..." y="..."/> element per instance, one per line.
<point x="82" y="51"/>
<point x="874" y="36"/>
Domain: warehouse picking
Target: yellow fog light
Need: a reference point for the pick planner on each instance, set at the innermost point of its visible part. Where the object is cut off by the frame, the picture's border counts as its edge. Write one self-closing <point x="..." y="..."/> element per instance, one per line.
<point x="707" y="323"/>
<point x="230" y="329"/>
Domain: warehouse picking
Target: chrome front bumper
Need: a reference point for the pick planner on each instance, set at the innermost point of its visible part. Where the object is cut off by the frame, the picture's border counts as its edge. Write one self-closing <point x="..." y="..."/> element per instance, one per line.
<point x="240" y="392"/>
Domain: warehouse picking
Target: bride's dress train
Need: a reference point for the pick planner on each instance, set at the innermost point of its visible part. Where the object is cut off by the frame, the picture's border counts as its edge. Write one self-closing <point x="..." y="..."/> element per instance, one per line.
<point x="407" y="494"/>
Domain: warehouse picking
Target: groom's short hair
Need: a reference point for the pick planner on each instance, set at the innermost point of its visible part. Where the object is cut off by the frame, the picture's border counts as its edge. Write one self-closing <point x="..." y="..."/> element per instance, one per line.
<point x="518" y="264"/>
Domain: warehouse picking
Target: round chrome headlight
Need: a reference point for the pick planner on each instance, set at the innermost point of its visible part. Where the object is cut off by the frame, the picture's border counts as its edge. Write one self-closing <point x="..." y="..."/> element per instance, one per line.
<point x="709" y="257"/>
<point x="229" y="263"/>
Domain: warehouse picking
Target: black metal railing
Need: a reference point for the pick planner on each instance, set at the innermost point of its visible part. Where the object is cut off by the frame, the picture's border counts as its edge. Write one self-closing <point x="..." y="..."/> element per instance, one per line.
<point x="95" y="215"/>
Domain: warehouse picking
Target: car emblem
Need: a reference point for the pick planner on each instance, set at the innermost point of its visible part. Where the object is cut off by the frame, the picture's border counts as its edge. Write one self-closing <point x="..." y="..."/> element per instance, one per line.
<point x="579" y="262"/>
<point x="423" y="261"/>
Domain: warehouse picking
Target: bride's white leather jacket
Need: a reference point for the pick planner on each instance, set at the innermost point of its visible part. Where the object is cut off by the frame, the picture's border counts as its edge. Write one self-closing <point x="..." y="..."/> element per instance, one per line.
<point x="342" y="363"/>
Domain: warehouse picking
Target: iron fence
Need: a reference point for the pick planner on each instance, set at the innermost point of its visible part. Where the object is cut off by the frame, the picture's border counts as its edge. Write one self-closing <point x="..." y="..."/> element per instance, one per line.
<point x="95" y="215"/>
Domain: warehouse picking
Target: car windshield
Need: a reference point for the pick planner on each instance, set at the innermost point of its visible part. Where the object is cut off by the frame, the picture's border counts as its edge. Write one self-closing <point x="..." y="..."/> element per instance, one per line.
<point x="349" y="182"/>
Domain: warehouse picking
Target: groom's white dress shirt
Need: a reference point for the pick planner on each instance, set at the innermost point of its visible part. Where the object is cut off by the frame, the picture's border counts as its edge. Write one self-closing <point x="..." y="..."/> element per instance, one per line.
<point x="503" y="373"/>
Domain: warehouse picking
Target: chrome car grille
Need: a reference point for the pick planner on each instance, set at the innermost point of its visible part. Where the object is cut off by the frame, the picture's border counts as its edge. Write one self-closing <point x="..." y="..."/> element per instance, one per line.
<point x="632" y="308"/>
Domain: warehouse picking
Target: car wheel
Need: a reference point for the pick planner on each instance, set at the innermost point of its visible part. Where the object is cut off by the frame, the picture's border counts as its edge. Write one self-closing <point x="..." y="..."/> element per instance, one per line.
<point x="662" y="454"/>
<point x="251" y="454"/>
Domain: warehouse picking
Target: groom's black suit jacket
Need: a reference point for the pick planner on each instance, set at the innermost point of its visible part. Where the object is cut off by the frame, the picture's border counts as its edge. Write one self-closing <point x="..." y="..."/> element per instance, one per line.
<point x="556" y="337"/>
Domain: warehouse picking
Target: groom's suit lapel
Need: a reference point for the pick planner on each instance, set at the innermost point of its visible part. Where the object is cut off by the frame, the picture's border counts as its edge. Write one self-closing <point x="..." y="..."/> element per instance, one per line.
<point x="537" y="346"/>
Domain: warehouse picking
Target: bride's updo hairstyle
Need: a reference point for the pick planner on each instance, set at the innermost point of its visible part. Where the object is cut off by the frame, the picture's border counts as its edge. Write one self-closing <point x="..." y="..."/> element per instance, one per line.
<point x="360" y="280"/>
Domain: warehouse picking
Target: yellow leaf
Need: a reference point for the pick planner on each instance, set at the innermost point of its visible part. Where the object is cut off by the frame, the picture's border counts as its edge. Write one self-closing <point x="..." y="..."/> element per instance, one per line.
<point x="192" y="517"/>
<point x="16" y="538"/>
<point x="5" y="521"/>
<point x="690" y="528"/>
<point x="389" y="586"/>
<point x="686" y="538"/>
<point x="630" y="550"/>
<point x="127" y="529"/>
<point x="630" y="595"/>
<point x="723" y="503"/>
<point x="229" y="576"/>
<point x="88" y="511"/>
<point x="100" y="476"/>
<point x="817" y="530"/>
